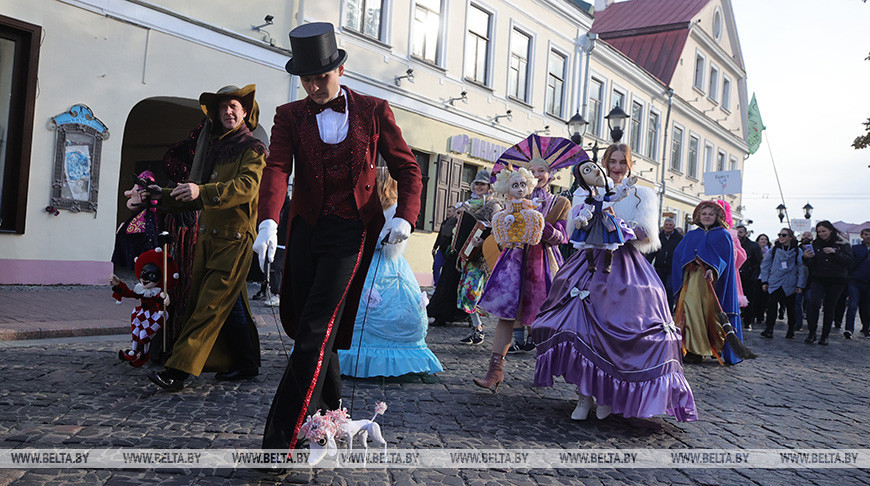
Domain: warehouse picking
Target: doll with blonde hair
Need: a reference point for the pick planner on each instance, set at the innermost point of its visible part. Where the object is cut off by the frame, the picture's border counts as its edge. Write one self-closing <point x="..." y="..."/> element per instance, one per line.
<point x="519" y="223"/>
<point x="529" y="230"/>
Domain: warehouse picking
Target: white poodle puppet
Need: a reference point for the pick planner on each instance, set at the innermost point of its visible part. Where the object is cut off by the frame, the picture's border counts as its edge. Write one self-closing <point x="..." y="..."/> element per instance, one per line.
<point x="325" y="431"/>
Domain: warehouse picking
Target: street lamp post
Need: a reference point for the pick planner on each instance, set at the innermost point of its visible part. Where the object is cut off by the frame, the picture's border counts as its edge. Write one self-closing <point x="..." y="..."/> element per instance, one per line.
<point x="577" y="128"/>
<point x="808" y="211"/>
<point x="616" y="120"/>
<point x="780" y="210"/>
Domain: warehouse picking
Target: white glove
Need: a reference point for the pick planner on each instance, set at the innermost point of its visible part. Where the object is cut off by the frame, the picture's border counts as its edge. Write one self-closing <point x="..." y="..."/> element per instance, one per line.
<point x="582" y="218"/>
<point x="266" y="242"/>
<point x="399" y="230"/>
<point x="620" y="192"/>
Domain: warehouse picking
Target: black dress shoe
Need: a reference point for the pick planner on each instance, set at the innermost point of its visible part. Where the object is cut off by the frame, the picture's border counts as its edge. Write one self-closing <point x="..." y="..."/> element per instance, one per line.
<point x="789" y="335"/>
<point x="272" y="470"/>
<point x="168" y="384"/>
<point x="810" y="339"/>
<point x="235" y="375"/>
<point x="767" y="334"/>
<point x="823" y="341"/>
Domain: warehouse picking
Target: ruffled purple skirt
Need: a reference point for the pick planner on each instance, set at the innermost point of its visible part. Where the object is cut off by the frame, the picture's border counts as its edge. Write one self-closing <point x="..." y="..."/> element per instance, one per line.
<point x="612" y="335"/>
<point x="519" y="283"/>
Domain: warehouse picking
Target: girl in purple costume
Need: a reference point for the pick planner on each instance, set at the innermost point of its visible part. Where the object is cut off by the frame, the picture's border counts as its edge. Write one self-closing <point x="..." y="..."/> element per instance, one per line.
<point x="522" y="276"/>
<point x="612" y="335"/>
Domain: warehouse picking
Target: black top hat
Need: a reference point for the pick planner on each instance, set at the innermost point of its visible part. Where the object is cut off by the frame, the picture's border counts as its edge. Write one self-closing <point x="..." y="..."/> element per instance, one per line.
<point x="314" y="50"/>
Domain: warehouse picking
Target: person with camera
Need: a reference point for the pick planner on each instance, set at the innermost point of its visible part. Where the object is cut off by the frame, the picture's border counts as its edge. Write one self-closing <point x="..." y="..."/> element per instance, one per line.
<point x="829" y="258"/>
<point x="783" y="276"/>
<point x="663" y="258"/>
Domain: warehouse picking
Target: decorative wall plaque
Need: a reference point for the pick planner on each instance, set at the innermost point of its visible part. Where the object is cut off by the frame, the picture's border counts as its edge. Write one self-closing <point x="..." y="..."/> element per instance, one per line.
<point x="78" y="145"/>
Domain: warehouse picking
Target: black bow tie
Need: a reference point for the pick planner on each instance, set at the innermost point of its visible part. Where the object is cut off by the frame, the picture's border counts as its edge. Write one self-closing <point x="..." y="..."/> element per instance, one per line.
<point x="335" y="105"/>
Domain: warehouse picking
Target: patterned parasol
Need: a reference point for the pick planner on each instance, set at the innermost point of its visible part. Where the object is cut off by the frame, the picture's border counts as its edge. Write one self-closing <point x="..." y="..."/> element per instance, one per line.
<point x="556" y="152"/>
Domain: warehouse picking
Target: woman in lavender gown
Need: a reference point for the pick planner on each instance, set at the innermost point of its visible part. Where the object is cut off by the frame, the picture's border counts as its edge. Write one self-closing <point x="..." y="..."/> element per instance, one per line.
<point x="523" y="272"/>
<point x="612" y="334"/>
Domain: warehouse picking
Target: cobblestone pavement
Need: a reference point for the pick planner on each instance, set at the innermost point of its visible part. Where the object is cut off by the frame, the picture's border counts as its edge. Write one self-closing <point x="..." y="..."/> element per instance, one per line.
<point x="75" y="393"/>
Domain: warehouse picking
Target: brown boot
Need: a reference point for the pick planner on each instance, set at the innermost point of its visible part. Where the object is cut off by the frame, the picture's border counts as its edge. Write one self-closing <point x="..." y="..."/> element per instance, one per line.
<point x="590" y="259"/>
<point x="495" y="374"/>
<point x="608" y="260"/>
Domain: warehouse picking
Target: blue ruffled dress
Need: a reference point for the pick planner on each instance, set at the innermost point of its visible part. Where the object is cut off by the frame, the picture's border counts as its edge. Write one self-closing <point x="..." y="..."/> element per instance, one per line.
<point x="394" y="341"/>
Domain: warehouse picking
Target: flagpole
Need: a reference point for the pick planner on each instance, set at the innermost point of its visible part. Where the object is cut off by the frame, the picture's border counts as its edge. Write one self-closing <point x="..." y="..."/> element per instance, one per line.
<point x="778" y="186"/>
<point x="756" y="125"/>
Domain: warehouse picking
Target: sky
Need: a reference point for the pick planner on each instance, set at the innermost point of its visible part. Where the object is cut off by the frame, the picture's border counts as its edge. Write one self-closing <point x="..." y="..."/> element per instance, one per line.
<point x="805" y="62"/>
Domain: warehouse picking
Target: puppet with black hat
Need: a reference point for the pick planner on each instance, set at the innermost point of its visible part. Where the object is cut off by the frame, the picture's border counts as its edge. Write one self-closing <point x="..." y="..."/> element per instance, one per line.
<point x="333" y="137"/>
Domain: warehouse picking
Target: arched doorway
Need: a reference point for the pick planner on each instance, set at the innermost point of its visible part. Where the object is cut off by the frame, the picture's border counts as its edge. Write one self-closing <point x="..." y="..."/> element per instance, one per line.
<point x="153" y="125"/>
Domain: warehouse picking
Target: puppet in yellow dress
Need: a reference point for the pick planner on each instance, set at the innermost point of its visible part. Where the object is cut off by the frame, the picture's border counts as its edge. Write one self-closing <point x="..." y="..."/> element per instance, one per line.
<point x="516" y="228"/>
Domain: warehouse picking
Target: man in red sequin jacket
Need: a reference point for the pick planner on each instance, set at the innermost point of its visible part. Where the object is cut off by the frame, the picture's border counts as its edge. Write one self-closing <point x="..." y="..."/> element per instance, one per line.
<point x="333" y="138"/>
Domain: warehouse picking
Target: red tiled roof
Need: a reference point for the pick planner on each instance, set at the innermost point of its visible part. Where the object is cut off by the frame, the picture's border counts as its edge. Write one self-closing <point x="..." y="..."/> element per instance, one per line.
<point x="850" y="227"/>
<point x="651" y="32"/>
<point x="657" y="53"/>
<point x="641" y="14"/>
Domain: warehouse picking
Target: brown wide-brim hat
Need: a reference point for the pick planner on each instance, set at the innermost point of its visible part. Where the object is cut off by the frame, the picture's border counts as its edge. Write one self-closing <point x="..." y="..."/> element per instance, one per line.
<point x="209" y="103"/>
<point x="314" y="50"/>
<point x="720" y="213"/>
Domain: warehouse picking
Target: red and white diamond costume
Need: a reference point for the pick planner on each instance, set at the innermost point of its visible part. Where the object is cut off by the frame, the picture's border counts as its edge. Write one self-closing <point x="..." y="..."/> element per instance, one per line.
<point x="149" y="316"/>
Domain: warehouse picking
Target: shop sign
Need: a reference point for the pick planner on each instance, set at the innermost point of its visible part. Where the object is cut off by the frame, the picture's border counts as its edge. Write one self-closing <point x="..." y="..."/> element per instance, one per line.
<point x="475" y="148"/>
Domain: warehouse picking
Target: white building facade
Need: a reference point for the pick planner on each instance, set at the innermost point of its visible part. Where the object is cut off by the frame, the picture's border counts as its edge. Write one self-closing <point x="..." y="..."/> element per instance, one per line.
<point x="466" y="79"/>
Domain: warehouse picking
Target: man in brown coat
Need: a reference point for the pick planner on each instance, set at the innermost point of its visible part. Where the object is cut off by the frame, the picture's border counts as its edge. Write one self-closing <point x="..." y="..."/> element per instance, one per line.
<point x="218" y="332"/>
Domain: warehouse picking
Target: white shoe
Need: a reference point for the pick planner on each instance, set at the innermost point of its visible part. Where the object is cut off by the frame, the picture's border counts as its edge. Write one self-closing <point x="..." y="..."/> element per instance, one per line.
<point x="431" y="320"/>
<point x="275" y="301"/>
<point x="602" y="411"/>
<point x="581" y="411"/>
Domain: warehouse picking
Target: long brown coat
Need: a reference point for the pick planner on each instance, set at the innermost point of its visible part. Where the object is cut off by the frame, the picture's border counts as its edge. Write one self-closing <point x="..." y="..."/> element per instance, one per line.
<point x="227" y="227"/>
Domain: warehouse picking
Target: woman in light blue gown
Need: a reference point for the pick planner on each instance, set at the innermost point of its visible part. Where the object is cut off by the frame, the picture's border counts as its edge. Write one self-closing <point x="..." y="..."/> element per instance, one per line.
<point x="389" y="336"/>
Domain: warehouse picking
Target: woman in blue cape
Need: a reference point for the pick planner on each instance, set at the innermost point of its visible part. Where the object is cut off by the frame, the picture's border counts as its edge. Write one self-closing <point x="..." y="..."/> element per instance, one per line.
<point x="706" y="255"/>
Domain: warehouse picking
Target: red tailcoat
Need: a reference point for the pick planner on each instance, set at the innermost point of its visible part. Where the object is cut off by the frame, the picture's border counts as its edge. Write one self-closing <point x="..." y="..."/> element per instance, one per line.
<point x="372" y="130"/>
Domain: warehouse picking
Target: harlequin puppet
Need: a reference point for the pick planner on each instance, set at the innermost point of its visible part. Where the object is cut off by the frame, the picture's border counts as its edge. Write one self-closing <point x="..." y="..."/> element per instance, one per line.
<point x="596" y="226"/>
<point x="149" y="316"/>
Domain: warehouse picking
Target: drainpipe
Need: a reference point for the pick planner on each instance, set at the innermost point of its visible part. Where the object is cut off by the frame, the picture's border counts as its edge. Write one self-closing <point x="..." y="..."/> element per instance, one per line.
<point x="590" y="45"/>
<point x="665" y="153"/>
<point x="300" y="14"/>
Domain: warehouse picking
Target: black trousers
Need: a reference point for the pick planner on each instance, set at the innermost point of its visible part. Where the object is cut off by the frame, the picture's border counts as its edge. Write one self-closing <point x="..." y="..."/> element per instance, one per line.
<point x="665" y="277"/>
<point x="773" y="301"/>
<point x="751" y="289"/>
<point x="321" y="262"/>
<point x="827" y="291"/>
<point x="237" y="330"/>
